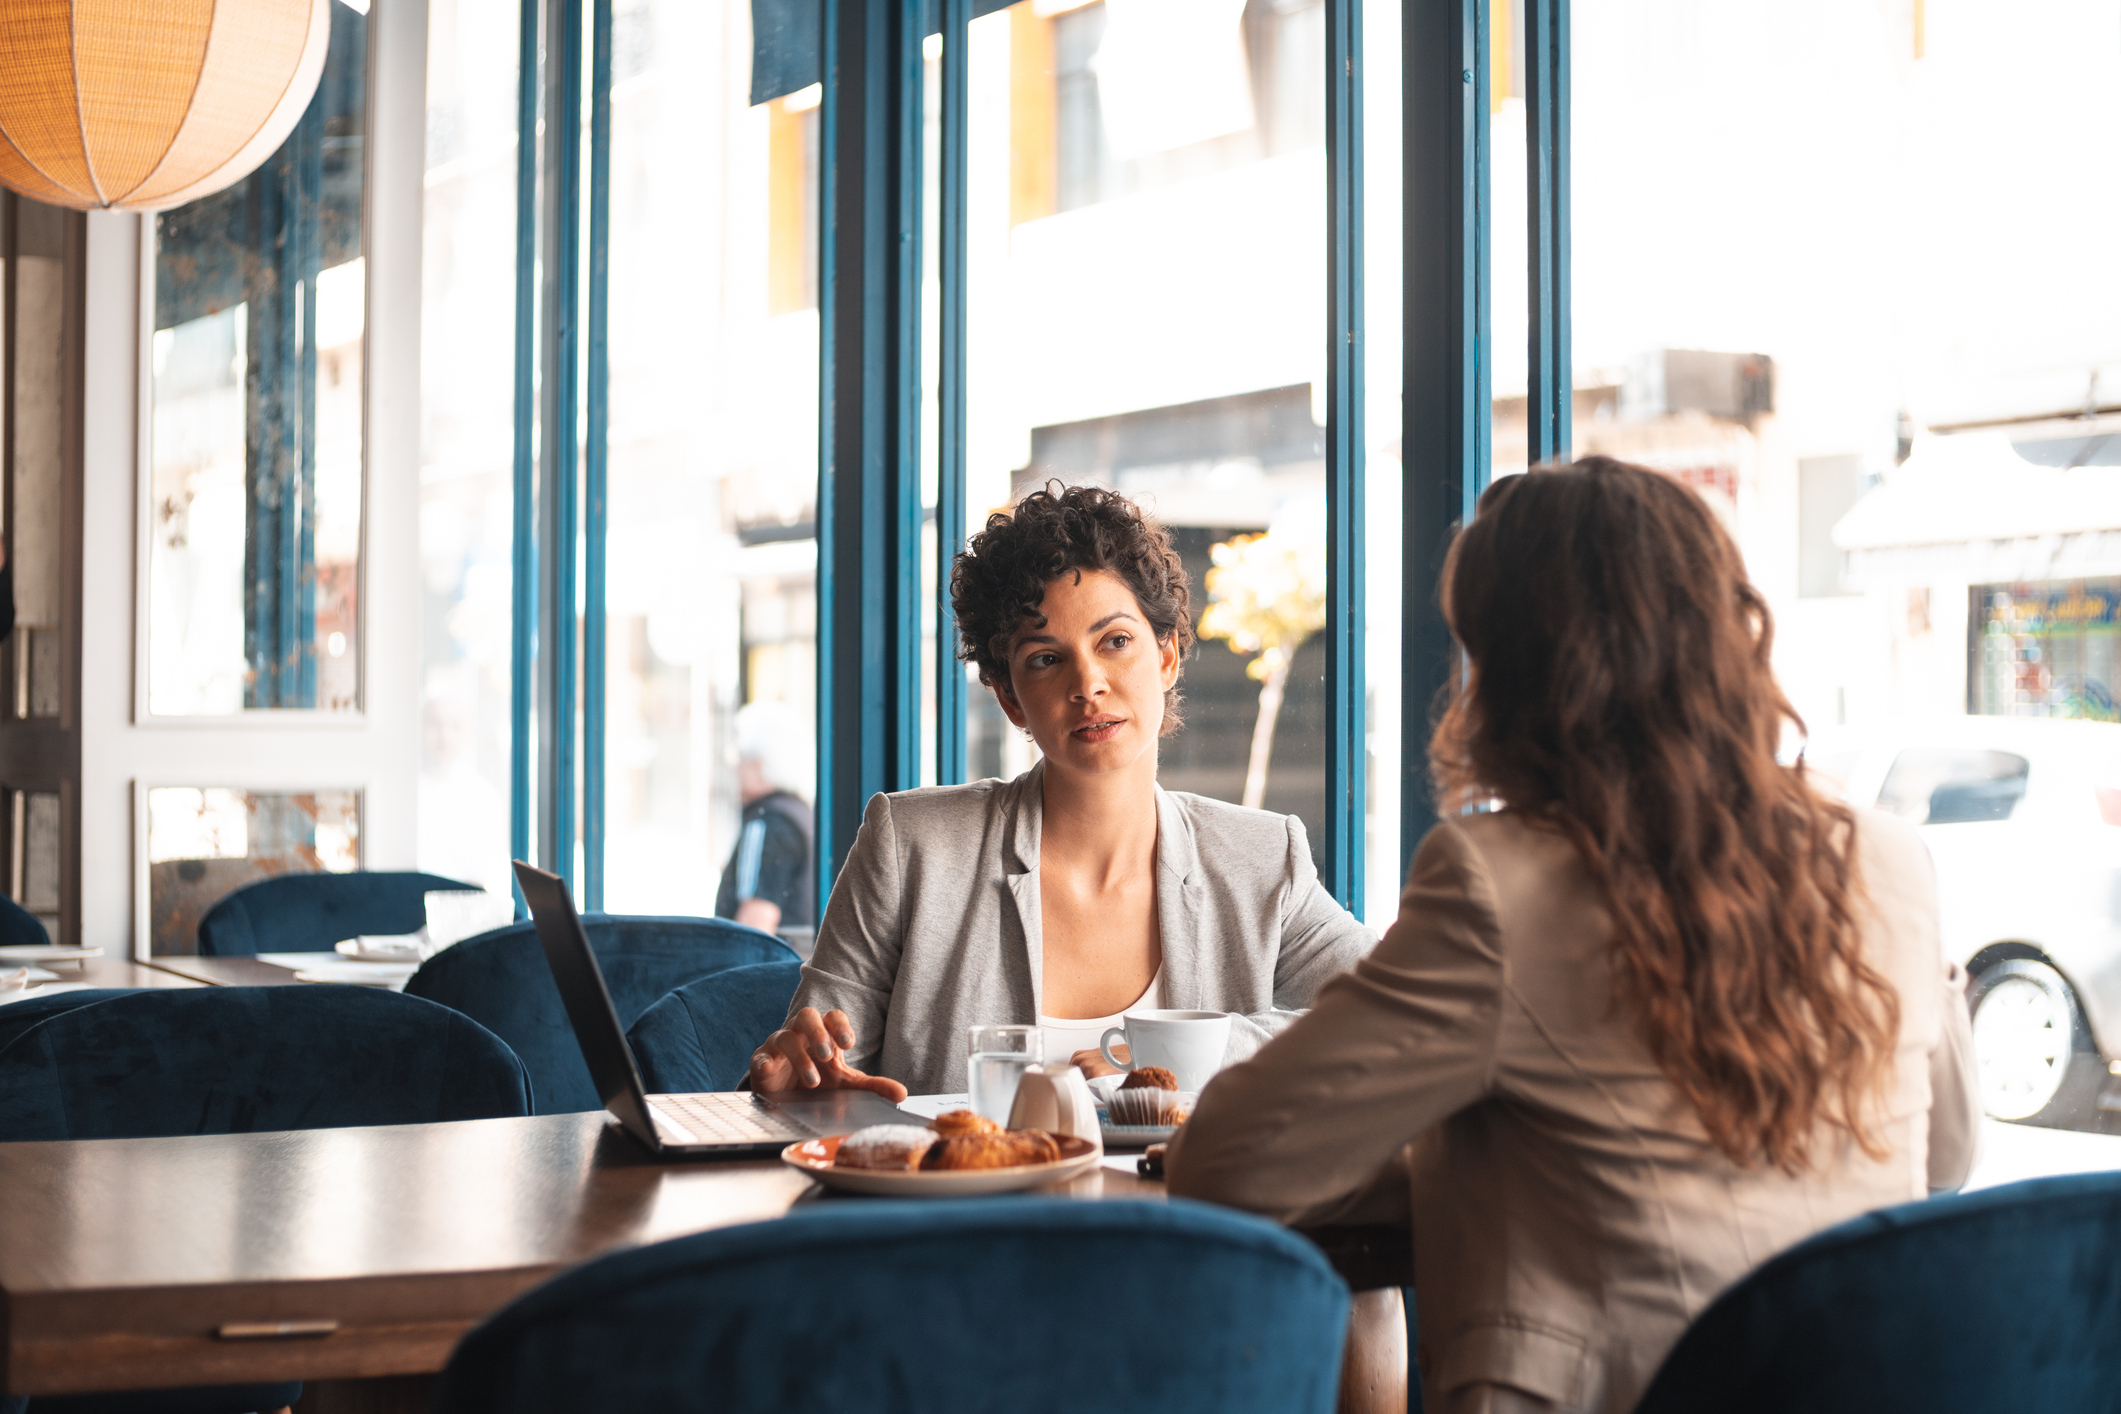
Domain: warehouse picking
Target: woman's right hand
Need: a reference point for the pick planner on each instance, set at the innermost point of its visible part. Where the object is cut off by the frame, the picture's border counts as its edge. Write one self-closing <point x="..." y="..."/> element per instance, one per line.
<point x="809" y="1053"/>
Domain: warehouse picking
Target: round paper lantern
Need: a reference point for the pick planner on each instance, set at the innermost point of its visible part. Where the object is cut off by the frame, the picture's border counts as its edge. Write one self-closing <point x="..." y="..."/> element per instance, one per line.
<point x="141" y="105"/>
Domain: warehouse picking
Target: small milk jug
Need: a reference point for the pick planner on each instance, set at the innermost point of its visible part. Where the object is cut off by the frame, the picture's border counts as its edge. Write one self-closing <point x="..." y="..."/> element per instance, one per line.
<point x="1057" y="1099"/>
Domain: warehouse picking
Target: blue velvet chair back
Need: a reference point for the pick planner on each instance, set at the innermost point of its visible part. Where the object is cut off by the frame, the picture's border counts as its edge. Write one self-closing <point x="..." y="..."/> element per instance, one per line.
<point x="501" y="980"/>
<point x="1029" y="1305"/>
<point x="1987" y="1303"/>
<point x="310" y="912"/>
<point x="701" y="1036"/>
<point x="231" y="1060"/>
<point x="19" y="928"/>
<point x="36" y="1008"/>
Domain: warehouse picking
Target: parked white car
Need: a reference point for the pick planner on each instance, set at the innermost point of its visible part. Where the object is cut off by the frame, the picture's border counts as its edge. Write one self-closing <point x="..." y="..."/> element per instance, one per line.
<point x="2023" y="819"/>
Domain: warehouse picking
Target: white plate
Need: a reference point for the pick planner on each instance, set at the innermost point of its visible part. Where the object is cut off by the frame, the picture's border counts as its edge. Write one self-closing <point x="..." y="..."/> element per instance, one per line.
<point x="16" y="979"/>
<point x="343" y="979"/>
<point x="1134" y="1136"/>
<point x="382" y="949"/>
<point x="328" y="967"/>
<point x="46" y="989"/>
<point x="46" y="952"/>
<point x="815" y="1157"/>
<point x="1137" y="1136"/>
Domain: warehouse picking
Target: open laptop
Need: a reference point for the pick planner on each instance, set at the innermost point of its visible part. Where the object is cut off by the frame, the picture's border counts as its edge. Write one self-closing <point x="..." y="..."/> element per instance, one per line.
<point x="734" y="1124"/>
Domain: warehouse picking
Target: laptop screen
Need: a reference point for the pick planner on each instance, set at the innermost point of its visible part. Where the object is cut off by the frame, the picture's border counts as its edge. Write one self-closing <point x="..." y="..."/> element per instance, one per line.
<point x="588" y="1002"/>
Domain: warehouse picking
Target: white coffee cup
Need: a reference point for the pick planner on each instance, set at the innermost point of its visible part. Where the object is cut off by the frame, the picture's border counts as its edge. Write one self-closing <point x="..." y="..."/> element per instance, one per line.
<point x="1189" y="1044"/>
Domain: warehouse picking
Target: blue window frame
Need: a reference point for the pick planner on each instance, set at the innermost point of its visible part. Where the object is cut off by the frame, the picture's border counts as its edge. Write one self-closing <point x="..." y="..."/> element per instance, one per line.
<point x="868" y="56"/>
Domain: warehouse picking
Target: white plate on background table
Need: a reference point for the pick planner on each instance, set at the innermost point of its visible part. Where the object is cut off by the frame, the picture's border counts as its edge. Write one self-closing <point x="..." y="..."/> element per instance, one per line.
<point x="815" y="1157"/>
<point x="381" y="949"/>
<point x="343" y="977"/>
<point x="46" y="952"/>
<point x="330" y="967"/>
<point x="45" y="990"/>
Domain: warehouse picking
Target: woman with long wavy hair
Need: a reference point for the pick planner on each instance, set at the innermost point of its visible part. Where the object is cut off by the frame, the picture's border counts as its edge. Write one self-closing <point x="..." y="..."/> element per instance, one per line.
<point x="1654" y="1008"/>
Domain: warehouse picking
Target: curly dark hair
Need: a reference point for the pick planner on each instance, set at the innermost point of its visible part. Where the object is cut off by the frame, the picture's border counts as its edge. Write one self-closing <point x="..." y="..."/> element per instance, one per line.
<point x="997" y="584"/>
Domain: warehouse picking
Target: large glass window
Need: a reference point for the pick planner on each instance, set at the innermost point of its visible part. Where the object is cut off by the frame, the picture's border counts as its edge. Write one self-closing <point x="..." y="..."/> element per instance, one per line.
<point x="714" y="392"/>
<point x="1147" y="312"/>
<point x="710" y="701"/>
<point x="254" y="492"/>
<point x="1813" y="283"/>
<point x="467" y="438"/>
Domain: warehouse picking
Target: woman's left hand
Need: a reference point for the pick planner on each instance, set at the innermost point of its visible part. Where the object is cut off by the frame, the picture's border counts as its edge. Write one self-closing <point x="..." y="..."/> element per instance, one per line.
<point x="1094" y="1064"/>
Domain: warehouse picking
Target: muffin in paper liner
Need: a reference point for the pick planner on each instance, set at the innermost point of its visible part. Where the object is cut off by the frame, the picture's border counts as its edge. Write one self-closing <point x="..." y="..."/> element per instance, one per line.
<point x="1142" y="1108"/>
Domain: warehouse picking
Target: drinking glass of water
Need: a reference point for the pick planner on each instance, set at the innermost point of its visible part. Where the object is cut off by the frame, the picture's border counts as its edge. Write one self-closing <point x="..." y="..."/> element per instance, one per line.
<point x="999" y="1056"/>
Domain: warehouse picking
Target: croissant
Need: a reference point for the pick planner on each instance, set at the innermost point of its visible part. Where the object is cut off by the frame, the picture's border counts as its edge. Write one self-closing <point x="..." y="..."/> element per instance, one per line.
<point x="963" y="1122"/>
<point x="1006" y="1149"/>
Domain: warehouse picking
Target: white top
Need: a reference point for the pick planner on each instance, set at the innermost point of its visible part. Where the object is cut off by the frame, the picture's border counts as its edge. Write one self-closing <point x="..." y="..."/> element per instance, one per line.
<point x="1065" y="1035"/>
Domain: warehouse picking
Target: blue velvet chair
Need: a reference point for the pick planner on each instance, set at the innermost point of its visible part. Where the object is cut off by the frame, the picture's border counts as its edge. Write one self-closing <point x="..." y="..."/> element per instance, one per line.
<point x="220" y="1060"/>
<point x="501" y="980"/>
<point x="701" y="1036"/>
<point x="1029" y="1305"/>
<point x="19" y="928"/>
<point x="36" y="1008"/>
<point x="310" y="912"/>
<point x="1992" y="1302"/>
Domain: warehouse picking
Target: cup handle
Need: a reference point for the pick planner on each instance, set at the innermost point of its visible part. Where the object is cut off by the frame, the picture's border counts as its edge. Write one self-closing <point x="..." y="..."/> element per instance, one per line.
<point x="1104" y="1047"/>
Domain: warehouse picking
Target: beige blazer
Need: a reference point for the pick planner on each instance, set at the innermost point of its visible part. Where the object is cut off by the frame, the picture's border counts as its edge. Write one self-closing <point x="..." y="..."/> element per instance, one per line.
<point x="934" y="924"/>
<point x="1570" y="1216"/>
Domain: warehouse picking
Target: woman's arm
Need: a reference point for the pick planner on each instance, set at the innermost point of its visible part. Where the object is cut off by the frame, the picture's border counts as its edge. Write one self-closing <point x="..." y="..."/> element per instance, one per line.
<point x="1388" y="1050"/>
<point x="835" y="1026"/>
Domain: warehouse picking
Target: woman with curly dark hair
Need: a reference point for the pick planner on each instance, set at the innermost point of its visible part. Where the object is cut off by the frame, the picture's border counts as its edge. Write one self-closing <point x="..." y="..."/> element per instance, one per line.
<point x="1081" y="890"/>
<point x="1654" y="1010"/>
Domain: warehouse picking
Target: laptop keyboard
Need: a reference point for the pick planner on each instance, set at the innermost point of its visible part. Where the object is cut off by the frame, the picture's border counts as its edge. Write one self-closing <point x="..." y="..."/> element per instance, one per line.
<point x="729" y="1118"/>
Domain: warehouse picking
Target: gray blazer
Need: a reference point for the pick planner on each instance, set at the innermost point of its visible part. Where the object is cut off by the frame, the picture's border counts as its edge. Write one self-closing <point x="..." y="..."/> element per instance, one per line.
<point x="934" y="924"/>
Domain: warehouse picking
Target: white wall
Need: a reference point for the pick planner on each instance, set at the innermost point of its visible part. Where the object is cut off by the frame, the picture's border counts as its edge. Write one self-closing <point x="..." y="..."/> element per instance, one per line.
<point x="377" y="750"/>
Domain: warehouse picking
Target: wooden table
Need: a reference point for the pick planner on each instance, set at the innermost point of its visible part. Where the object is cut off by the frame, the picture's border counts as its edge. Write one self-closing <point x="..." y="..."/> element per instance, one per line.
<point x="152" y="1263"/>
<point x="110" y="971"/>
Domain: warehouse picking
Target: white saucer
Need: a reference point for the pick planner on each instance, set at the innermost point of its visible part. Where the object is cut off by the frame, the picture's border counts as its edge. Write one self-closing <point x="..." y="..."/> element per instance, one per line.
<point x="46" y="952"/>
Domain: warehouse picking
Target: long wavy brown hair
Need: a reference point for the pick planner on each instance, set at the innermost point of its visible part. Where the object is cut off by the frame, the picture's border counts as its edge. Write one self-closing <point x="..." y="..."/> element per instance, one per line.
<point x="1618" y="690"/>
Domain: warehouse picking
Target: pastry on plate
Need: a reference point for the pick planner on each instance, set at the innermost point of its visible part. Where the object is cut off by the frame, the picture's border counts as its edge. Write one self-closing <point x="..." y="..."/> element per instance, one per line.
<point x="1149" y="1077"/>
<point x="963" y="1122"/>
<point x="886" y="1146"/>
<point x="1006" y="1149"/>
<point x="1145" y="1105"/>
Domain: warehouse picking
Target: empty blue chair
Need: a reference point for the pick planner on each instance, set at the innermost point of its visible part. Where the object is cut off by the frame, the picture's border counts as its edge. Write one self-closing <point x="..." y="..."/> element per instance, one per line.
<point x="19" y="928"/>
<point x="224" y="1060"/>
<point x="907" y="1308"/>
<point x="701" y="1036"/>
<point x="1993" y="1302"/>
<point x="501" y="980"/>
<point x="231" y="1060"/>
<point x="310" y="912"/>
<point x="36" y="1008"/>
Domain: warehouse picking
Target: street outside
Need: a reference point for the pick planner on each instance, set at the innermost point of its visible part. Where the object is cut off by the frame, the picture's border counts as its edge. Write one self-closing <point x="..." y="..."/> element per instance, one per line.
<point x="2011" y="1152"/>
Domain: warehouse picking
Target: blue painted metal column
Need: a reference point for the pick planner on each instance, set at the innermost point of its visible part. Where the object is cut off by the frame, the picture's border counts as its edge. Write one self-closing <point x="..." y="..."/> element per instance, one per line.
<point x="1546" y="71"/>
<point x="1346" y="688"/>
<point x="559" y="488"/>
<point x="869" y="507"/>
<point x="523" y="556"/>
<point x="595" y="456"/>
<point x="1447" y="456"/>
<point x="950" y="527"/>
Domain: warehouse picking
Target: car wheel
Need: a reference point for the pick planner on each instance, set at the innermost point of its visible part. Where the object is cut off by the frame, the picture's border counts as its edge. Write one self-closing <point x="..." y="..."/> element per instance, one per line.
<point x="2033" y="1046"/>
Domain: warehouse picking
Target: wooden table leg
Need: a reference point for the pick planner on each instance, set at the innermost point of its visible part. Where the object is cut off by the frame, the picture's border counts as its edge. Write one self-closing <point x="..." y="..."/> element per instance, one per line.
<point x="1373" y="1367"/>
<point x="396" y="1394"/>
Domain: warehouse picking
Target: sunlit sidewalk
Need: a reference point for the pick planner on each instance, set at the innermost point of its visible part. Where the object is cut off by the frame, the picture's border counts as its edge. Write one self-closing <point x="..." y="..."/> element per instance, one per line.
<point x="2010" y="1152"/>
